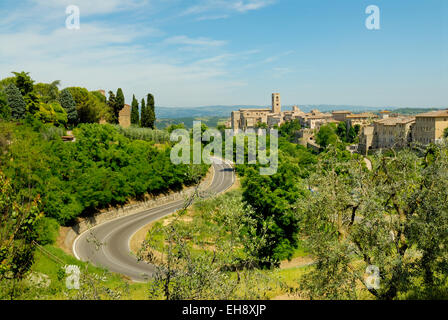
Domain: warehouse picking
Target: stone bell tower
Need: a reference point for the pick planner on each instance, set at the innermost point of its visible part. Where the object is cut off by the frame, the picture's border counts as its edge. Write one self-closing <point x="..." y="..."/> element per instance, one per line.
<point x="276" y="103"/>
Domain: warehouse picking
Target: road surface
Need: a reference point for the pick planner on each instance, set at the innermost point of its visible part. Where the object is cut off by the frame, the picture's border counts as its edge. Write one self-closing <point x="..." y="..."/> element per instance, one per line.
<point x="107" y="245"/>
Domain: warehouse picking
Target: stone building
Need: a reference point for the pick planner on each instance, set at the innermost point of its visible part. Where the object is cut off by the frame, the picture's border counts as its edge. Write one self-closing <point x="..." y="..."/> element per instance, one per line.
<point x="304" y="136"/>
<point x="249" y="118"/>
<point x="393" y="132"/>
<point x="385" y="114"/>
<point x="315" y="119"/>
<point x="124" y="118"/>
<point x="361" y="119"/>
<point x="293" y="114"/>
<point x="366" y="140"/>
<point x="244" y="119"/>
<point x="341" y="115"/>
<point x="276" y="103"/>
<point x="386" y="133"/>
<point x="400" y="131"/>
<point x="429" y="127"/>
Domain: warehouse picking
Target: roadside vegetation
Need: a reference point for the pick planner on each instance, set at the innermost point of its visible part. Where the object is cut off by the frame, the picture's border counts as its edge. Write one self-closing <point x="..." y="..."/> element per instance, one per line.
<point x="210" y="251"/>
<point x="48" y="181"/>
<point x="312" y="230"/>
<point x="348" y="218"/>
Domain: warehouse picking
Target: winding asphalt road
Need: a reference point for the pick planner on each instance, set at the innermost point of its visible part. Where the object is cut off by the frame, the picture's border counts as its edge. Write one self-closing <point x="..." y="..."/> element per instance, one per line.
<point x="108" y="245"/>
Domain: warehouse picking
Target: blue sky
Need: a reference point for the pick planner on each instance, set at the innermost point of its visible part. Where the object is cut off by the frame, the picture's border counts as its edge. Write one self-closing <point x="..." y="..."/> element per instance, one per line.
<point x="233" y="52"/>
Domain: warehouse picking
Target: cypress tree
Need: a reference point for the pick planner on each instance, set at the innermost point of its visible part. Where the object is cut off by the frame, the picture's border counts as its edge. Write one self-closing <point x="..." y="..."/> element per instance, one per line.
<point x="135" y="117"/>
<point x="111" y="104"/>
<point x="67" y="102"/>
<point x="151" y="111"/>
<point x="352" y="135"/>
<point x="144" y="115"/>
<point x="24" y="82"/>
<point x="119" y="104"/>
<point x="15" y="102"/>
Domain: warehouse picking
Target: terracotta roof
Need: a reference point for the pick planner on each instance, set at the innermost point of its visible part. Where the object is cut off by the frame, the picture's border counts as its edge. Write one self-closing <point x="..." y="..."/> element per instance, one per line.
<point x="434" y="114"/>
<point x="321" y="116"/>
<point x="361" y="115"/>
<point x="395" y="121"/>
<point x="341" y="112"/>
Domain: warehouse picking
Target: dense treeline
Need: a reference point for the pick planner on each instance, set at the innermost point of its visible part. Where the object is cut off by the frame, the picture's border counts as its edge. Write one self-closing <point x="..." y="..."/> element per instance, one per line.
<point x="106" y="166"/>
<point x="46" y="182"/>
<point x="21" y="97"/>
<point x="102" y="168"/>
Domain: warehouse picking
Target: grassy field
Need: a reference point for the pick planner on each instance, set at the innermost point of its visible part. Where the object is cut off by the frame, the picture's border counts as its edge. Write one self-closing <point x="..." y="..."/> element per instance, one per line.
<point x="98" y="283"/>
<point x="204" y="228"/>
<point x="50" y="261"/>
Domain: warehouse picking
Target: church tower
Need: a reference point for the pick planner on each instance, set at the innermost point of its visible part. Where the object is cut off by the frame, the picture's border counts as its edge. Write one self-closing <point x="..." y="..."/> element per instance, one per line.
<point x="276" y="104"/>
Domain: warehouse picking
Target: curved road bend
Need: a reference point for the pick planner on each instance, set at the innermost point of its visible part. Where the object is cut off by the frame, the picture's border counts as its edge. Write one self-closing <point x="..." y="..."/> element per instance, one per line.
<point x="114" y="253"/>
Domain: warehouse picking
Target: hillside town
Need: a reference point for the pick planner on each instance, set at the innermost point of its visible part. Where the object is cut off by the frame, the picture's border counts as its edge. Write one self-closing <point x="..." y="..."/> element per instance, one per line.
<point x="376" y="131"/>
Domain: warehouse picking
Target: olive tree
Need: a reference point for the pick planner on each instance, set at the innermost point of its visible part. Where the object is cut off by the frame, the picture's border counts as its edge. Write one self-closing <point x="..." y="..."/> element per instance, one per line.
<point x="17" y="236"/>
<point x="389" y="224"/>
<point x="221" y="266"/>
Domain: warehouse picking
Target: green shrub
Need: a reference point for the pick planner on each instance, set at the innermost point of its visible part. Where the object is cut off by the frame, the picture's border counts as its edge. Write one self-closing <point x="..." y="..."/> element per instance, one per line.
<point x="102" y="168"/>
<point x="145" y="134"/>
<point x="47" y="231"/>
<point x="50" y="132"/>
<point x="52" y="113"/>
<point x="5" y="110"/>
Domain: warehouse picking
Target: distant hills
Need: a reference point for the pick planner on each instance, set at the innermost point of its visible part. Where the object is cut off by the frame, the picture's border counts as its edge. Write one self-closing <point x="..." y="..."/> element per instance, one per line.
<point x="225" y="111"/>
<point x="195" y="112"/>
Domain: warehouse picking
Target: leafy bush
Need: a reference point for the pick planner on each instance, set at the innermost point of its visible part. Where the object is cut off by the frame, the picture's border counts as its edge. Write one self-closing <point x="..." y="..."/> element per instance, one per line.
<point x="102" y="168"/>
<point x="145" y="134"/>
<point x="50" y="132"/>
<point x="52" y="113"/>
<point x="17" y="233"/>
<point x="327" y="136"/>
<point x="88" y="106"/>
<point x="47" y="231"/>
<point x="5" y="110"/>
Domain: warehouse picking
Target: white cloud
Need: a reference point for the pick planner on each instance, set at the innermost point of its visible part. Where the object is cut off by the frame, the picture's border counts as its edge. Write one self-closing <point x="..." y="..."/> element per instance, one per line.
<point x="213" y="17"/>
<point x="243" y="6"/>
<point x="91" y="7"/>
<point x="184" y="40"/>
<point x="107" y="57"/>
<point x="220" y="6"/>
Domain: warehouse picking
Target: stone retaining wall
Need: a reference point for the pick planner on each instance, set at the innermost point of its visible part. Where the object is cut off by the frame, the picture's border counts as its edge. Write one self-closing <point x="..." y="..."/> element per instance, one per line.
<point x="69" y="236"/>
